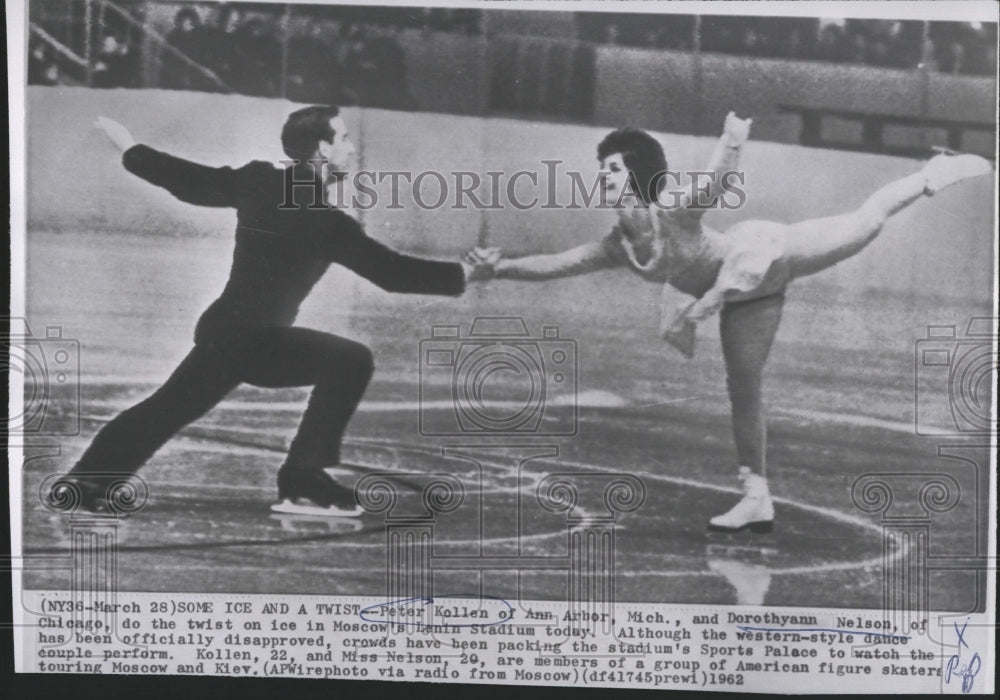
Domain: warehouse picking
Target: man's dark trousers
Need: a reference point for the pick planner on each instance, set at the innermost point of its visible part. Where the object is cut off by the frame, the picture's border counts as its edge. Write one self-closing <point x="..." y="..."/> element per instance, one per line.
<point x="274" y="357"/>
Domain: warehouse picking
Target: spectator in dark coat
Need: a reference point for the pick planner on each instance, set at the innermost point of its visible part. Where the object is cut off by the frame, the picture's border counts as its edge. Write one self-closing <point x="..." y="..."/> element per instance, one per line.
<point x="175" y="73"/>
<point x="314" y="72"/>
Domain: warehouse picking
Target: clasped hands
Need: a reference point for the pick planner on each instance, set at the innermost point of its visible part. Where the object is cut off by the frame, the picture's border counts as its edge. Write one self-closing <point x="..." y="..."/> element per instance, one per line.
<point x="480" y="264"/>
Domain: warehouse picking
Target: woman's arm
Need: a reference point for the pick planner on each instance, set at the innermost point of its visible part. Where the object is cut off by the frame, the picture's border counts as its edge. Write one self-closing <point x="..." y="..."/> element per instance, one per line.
<point x="588" y="257"/>
<point x="698" y="195"/>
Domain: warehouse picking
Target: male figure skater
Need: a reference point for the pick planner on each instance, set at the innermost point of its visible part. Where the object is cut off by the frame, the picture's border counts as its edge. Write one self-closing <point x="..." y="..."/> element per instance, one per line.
<point x="286" y="238"/>
<point x="741" y="273"/>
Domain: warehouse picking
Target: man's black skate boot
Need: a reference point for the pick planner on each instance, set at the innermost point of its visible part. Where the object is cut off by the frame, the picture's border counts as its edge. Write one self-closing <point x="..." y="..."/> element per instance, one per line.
<point x="314" y="492"/>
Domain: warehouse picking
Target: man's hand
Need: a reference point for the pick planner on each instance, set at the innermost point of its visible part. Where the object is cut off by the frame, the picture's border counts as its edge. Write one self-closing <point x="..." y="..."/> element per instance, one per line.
<point x="479" y="264"/>
<point x="736" y="130"/>
<point x="116" y="133"/>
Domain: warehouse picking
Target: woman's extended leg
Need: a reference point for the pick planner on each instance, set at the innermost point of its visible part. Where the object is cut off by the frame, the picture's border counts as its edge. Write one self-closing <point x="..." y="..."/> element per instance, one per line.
<point x="747" y="330"/>
<point x="816" y="244"/>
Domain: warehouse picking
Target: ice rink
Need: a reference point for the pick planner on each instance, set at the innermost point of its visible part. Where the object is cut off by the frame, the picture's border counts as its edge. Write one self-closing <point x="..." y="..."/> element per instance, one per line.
<point x="125" y="272"/>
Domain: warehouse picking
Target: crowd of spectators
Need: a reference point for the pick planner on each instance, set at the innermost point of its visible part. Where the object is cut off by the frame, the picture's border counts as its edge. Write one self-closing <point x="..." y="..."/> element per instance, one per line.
<point x="963" y="47"/>
<point x="230" y="49"/>
<point x="440" y="19"/>
<point x="43" y="64"/>
<point x="353" y="54"/>
<point x="339" y="61"/>
<point x="951" y="47"/>
<point x="114" y="63"/>
<point x="357" y="64"/>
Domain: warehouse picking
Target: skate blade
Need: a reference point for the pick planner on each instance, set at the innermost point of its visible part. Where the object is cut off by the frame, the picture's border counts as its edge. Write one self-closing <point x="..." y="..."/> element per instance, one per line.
<point x="761" y="527"/>
<point x="287" y="506"/>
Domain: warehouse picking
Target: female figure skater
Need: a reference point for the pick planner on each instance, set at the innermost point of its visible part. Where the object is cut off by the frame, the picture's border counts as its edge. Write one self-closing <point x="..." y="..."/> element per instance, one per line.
<point x="742" y="273"/>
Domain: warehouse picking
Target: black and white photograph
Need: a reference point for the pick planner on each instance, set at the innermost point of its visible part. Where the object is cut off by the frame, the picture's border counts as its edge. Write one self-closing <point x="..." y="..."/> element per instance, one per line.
<point x="455" y="314"/>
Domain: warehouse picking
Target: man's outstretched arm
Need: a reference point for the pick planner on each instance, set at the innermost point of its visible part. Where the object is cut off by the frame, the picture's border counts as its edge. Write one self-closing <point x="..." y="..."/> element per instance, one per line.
<point x="189" y="182"/>
<point x="347" y="244"/>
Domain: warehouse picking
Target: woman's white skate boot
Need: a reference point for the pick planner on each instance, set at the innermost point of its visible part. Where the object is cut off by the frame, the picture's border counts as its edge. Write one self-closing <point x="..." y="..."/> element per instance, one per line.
<point x="754" y="512"/>
<point x="947" y="169"/>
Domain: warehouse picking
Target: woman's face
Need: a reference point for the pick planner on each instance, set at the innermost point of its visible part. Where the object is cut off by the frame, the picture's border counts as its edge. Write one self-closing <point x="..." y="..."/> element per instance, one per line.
<point x="613" y="177"/>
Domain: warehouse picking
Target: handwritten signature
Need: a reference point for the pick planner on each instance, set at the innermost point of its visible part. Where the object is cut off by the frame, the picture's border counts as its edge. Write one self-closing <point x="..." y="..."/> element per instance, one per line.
<point x="967" y="672"/>
<point x="451" y="610"/>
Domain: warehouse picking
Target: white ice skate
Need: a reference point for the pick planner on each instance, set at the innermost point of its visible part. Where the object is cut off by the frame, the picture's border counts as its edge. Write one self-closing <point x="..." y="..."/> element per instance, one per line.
<point x="754" y="512"/>
<point x="947" y="169"/>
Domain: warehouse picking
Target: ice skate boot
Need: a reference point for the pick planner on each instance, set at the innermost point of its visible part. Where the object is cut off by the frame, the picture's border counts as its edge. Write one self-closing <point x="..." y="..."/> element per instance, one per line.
<point x="949" y="168"/>
<point x="314" y="492"/>
<point x="754" y="512"/>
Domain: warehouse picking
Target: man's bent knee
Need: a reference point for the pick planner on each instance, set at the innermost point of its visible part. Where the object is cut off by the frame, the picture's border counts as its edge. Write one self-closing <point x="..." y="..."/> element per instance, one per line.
<point x="360" y="360"/>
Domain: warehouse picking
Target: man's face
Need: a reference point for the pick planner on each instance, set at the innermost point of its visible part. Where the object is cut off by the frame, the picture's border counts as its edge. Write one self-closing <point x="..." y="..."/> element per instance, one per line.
<point x="338" y="153"/>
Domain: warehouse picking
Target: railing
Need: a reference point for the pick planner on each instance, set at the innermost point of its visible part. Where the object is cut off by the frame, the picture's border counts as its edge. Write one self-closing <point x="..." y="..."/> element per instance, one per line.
<point x="57" y="45"/>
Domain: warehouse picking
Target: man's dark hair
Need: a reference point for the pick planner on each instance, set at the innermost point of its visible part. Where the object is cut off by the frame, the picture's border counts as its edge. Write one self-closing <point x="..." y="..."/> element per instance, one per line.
<point x="305" y="128"/>
<point x="642" y="155"/>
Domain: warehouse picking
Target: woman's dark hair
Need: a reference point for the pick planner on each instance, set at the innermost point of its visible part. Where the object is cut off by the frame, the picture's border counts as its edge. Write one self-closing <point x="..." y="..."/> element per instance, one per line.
<point x="305" y="128"/>
<point x="642" y="155"/>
